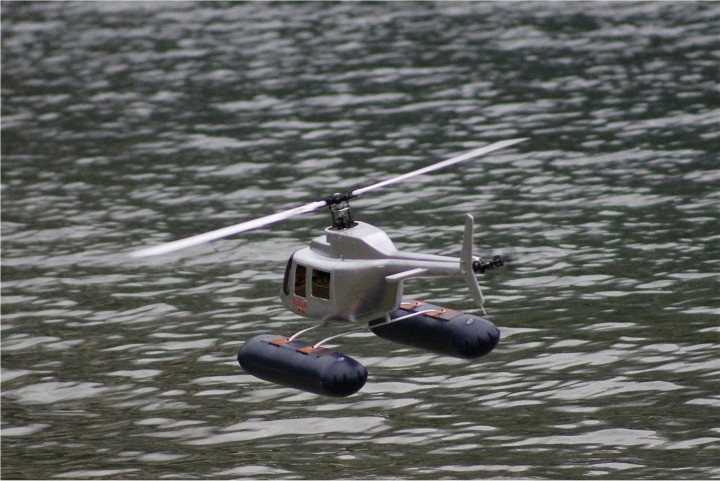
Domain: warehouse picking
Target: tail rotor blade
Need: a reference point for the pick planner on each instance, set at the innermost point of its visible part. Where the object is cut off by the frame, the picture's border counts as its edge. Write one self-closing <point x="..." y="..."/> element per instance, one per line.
<point x="508" y="258"/>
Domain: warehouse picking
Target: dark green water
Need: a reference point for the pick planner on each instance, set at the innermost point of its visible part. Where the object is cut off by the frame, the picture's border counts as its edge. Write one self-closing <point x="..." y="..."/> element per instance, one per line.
<point x="127" y="124"/>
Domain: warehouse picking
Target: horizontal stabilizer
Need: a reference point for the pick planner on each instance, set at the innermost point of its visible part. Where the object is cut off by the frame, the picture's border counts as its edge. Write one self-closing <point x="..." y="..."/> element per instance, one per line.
<point x="401" y="276"/>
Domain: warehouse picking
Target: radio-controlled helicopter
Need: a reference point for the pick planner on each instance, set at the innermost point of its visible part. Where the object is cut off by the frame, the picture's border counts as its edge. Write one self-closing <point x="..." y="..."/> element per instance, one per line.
<point x="353" y="274"/>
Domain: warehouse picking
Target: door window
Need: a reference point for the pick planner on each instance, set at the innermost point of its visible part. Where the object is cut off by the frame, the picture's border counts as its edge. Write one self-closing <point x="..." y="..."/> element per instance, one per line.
<point x="321" y="284"/>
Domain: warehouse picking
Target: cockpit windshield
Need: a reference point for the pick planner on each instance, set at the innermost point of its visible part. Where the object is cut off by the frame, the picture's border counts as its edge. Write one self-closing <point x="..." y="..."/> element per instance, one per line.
<point x="300" y="277"/>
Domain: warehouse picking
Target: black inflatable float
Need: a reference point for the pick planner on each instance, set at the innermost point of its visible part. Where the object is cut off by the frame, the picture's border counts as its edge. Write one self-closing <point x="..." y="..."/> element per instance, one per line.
<point x="438" y="329"/>
<point x="298" y="365"/>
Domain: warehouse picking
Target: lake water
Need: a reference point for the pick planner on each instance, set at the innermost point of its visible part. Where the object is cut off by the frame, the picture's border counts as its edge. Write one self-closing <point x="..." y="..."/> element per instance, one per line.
<point x="131" y="124"/>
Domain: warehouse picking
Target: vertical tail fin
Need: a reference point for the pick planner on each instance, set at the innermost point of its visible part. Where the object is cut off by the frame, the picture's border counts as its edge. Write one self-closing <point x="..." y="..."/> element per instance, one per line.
<point x="466" y="264"/>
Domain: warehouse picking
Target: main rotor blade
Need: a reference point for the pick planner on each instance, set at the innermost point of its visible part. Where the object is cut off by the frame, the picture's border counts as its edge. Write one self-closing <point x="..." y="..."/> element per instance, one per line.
<point x="441" y="165"/>
<point x="228" y="231"/>
<point x="312" y="206"/>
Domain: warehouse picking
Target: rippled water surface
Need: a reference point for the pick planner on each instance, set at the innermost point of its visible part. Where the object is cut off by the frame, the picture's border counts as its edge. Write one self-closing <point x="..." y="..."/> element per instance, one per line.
<point x="128" y="124"/>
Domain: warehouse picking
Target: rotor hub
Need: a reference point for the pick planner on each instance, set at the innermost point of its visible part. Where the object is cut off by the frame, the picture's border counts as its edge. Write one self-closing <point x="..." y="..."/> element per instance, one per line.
<point x="339" y="204"/>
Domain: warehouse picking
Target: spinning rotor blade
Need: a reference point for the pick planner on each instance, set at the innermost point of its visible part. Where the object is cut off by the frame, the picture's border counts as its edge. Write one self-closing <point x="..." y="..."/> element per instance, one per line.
<point x="228" y="231"/>
<point x="441" y="165"/>
<point x="312" y="206"/>
<point x="509" y="256"/>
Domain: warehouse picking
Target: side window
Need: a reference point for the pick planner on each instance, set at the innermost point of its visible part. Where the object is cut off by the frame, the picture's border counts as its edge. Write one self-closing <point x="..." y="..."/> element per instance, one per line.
<point x="321" y="284"/>
<point x="286" y="279"/>
<point x="300" y="276"/>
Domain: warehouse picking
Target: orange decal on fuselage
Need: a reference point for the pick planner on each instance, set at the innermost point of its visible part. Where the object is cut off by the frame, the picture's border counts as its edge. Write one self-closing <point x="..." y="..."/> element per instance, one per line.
<point x="300" y="304"/>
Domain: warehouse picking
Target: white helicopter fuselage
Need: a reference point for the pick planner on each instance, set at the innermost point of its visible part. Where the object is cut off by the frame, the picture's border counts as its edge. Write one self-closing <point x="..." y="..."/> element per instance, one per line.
<point x="353" y="272"/>
<point x="355" y="275"/>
